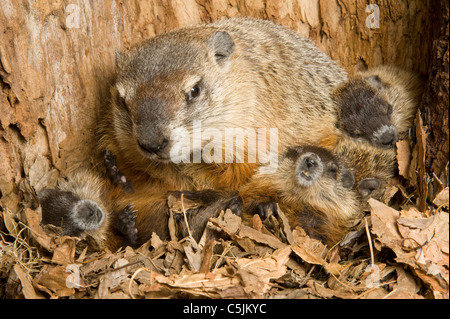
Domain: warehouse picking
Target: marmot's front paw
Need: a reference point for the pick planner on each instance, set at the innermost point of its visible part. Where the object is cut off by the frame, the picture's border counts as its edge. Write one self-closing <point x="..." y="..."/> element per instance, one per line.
<point x="264" y="209"/>
<point x="126" y="225"/>
<point x="114" y="175"/>
<point x="236" y="205"/>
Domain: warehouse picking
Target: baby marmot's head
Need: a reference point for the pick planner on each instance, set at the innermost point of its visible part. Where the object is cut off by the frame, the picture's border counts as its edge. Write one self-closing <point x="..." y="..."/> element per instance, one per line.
<point x="87" y="215"/>
<point x="65" y="209"/>
<point x="313" y="163"/>
<point x="363" y="113"/>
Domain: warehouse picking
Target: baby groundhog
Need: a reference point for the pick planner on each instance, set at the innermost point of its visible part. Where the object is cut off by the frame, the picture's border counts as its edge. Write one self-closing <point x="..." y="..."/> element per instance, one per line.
<point x="372" y="167"/>
<point x="83" y="205"/>
<point x="312" y="187"/>
<point x="378" y="105"/>
<point x="324" y="192"/>
<point x="364" y="114"/>
<point x="77" y="206"/>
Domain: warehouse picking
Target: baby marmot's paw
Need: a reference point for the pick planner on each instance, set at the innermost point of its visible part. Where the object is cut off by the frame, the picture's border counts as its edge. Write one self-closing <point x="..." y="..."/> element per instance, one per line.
<point x="265" y="209"/>
<point x="113" y="173"/>
<point x="125" y="224"/>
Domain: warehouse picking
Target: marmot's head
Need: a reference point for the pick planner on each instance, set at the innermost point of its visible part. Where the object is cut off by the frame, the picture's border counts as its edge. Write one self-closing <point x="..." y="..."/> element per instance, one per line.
<point x="66" y="209"/>
<point x="315" y="170"/>
<point x="314" y="163"/>
<point x="363" y="113"/>
<point x="168" y="83"/>
<point x="87" y="215"/>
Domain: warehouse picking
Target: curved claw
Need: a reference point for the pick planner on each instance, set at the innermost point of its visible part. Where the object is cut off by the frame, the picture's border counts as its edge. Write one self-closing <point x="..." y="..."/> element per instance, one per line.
<point x="126" y="225"/>
<point x="264" y="209"/>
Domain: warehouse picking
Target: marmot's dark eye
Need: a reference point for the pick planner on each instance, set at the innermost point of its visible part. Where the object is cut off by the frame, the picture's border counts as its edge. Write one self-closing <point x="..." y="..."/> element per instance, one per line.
<point x="194" y="92"/>
<point x="355" y="134"/>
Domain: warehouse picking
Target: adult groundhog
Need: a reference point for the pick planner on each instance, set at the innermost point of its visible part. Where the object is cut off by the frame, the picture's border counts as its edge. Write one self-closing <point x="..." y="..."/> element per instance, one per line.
<point x="239" y="74"/>
<point x="236" y="73"/>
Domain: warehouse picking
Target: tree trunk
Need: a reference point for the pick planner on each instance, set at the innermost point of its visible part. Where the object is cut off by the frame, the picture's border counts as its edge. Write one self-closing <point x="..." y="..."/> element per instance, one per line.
<point x="57" y="63"/>
<point x="434" y="106"/>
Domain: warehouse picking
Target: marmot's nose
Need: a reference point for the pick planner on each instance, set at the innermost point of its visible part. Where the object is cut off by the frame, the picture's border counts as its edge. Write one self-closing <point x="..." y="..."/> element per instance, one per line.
<point x="388" y="138"/>
<point x="153" y="148"/>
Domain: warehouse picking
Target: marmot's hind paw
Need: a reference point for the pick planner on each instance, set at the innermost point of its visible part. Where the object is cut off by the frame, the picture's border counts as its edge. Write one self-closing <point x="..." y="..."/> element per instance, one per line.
<point x="126" y="225"/>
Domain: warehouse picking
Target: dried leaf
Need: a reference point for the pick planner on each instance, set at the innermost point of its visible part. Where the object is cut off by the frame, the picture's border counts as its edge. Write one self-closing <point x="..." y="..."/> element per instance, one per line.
<point x="253" y="234"/>
<point x="10" y="223"/>
<point x="207" y="254"/>
<point x="265" y="269"/>
<point x="63" y="250"/>
<point x="308" y="249"/>
<point x="384" y="225"/>
<point x="155" y="241"/>
<point x="55" y="279"/>
<point x="27" y="286"/>
<point x="285" y="225"/>
<point x="441" y="199"/>
<point x="419" y="164"/>
<point x="403" y="158"/>
<point x="193" y="254"/>
<point x="405" y="281"/>
<point x="33" y="221"/>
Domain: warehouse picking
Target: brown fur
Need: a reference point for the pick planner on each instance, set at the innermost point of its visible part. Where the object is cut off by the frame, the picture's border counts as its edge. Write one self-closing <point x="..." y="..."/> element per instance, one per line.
<point x="250" y="73"/>
<point x="400" y="88"/>
<point x="324" y="208"/>
<point x="58" y="204"/>
<point x="367" y="161"/>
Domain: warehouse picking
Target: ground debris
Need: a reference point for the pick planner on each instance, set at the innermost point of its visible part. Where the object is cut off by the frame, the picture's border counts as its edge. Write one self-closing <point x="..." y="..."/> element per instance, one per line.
<point x="398" y="250"/>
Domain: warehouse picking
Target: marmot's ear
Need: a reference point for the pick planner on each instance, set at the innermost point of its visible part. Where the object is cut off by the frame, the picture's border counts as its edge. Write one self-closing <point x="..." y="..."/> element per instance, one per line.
<point x="375" y="81"/>
<point x="222" y="44"/>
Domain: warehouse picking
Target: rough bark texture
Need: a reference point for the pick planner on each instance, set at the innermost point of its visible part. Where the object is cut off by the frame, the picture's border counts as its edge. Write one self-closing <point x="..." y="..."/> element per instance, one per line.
<point x="57" y="62"/>
<point x="434" y="106"/>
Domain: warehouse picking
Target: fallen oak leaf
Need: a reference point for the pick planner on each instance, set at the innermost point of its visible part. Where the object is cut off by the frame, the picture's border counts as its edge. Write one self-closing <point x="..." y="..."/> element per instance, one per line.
<point x="33" y="221"/>
<point x="384" y="226"/>
<point x="257" y="272"/>
<point x="311" y="251"/>
<point x="442" y="198"/>
<point x="63" y="248"/>
<point x="54" y="279"/>
<point x="27" y="285"/>
<point x="404" y="158"/>
<point x="267" y="239"/>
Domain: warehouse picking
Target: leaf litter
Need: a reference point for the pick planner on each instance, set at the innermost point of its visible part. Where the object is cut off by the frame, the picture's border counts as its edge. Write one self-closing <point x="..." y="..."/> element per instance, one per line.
<point x="399" y="250"/>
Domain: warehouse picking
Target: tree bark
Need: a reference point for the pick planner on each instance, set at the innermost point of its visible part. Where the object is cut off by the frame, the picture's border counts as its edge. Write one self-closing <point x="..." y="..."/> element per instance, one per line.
<point x="435" y="101"/>
<point x="57" y="64"/>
